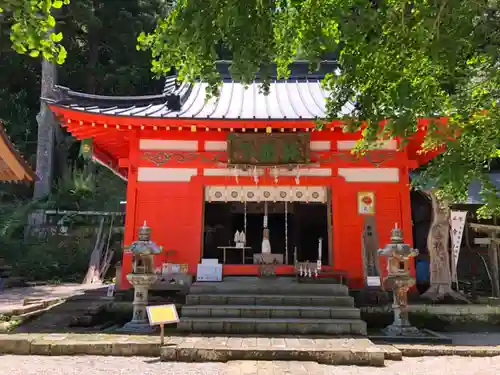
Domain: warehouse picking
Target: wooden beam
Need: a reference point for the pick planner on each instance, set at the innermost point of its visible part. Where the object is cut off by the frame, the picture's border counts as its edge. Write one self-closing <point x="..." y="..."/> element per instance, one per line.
<point x="485" y="228"/>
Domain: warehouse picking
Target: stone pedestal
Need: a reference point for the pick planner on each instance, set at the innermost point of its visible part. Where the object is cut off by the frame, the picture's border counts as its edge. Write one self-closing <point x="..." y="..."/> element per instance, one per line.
<point x="141" y="283"/>
<point x="401" y="325"/>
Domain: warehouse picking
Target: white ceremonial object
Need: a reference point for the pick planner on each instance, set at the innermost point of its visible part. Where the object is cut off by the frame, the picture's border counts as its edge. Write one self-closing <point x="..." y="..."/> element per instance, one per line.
<point x="243" y="238"/>
<point x="266" y="246"/>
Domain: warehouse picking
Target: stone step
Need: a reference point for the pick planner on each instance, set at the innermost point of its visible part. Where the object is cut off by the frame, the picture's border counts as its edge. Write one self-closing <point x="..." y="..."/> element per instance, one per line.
<point x="264" y="287"/>
<point x="273" y="326"/>
<point x="235" y="311"/>
<point x="269" y="300"/>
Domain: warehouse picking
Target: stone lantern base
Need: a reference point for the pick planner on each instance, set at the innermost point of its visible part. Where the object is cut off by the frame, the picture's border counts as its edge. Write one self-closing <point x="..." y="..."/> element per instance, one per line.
<point x="140" y="322"/>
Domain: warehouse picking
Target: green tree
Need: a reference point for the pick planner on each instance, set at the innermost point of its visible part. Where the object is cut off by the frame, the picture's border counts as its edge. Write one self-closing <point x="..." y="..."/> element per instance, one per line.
<point x="30" y="22"/>
<point x="397" y="59"/>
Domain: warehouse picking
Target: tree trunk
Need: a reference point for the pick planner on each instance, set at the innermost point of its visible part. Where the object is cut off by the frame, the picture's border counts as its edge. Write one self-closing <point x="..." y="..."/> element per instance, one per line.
<point x="45" y="148"/>
<point x="438" y="246"/>
<point x="46" y="134"/>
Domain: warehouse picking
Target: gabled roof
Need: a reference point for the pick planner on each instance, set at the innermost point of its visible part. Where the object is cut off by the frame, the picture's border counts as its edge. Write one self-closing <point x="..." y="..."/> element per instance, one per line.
<point x="13" y="168"/>
<point x="301" y="97"/>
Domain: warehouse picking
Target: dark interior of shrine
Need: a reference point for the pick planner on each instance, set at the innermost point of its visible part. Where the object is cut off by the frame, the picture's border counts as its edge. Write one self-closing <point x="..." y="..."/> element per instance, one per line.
<point x="303" y="224"/>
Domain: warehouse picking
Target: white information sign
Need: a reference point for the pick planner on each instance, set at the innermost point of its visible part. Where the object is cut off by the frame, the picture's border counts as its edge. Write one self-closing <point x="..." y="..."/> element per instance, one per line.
<point x="373" y="281"/>
<point x="209" y="272"/>
<point x="210" y="261"/>
<point x="457" y="226"/>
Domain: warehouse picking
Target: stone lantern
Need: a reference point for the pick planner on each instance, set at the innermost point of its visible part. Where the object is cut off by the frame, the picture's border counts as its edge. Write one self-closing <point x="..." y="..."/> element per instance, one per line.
<point x="142" y="277"/>
<point x="399" y="280"/>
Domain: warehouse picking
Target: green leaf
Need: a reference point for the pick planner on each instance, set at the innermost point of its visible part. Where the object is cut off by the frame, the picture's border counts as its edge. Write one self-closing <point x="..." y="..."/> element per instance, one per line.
<point x="57" y="4"/>
<point x="56" y="37"/>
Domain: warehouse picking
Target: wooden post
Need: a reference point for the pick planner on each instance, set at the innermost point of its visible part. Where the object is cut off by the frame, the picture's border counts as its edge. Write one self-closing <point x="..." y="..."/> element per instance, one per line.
<point x="162" y="334"/>
<point x="492" y="231"/>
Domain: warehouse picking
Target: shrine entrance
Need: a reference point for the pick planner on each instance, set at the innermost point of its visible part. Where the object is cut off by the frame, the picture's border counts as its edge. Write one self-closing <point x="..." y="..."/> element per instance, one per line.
<point x="288" y="229"/>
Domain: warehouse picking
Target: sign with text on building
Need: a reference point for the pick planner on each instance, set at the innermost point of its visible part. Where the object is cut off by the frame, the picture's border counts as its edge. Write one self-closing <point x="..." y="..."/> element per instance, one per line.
<point x="268" y="149"/>
<point x="366" y="203"/>
<point x="209" y="272"/>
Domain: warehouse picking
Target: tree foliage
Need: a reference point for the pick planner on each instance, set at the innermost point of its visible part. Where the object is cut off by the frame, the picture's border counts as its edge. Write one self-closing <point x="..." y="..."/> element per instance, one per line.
<point x="398" y="60"/>
<point x="107" y="27"/>
<point x="30" y="23"/>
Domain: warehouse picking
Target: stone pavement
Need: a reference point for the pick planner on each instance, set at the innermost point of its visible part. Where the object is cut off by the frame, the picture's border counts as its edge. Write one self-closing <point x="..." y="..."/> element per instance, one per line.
<point x="11" y="299"/>
<point x="93" y="365"/>
<point x="338" y="351"/>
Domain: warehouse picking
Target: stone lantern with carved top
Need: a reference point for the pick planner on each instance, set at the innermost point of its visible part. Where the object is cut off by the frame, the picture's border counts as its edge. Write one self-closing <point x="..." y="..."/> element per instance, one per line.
<point x="399" y="279"/>
<point x="142" y="277"/>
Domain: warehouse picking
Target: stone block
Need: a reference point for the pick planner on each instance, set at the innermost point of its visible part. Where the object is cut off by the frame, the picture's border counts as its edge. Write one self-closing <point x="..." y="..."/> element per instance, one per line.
<point x="358" y="328"/>
<point x="195" y="312"/>
<point x="239" y="327"/>
<point x="241" y="300"/>
<point x="336" y="328"/>
<point x="225" y="312"/>
<point x="264" y="300"/>
<point x="20" y="345"/>
<point x="212" y="300"/>
<point x="70" y="347"/>
<point x="192" y="299"/>
<point x="303" y="328"/>
<point x="296" y="300"/>
<point x="255" y="313"/>
<point x="271" y="327"/>
<point x="277" y="312"/>
<point x="185" y="326"/>
<point x="40" y="347"/>
<point x="345" y="313"/>
<point x="168" y="353"/>
<point x="318" y="313"/>
<point x="136" y="349"/>
<point x="205" y="326"/>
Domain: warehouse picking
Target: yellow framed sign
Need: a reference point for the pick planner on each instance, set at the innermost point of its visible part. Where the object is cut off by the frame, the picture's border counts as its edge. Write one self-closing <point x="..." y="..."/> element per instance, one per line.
<point x="162" y="314"/>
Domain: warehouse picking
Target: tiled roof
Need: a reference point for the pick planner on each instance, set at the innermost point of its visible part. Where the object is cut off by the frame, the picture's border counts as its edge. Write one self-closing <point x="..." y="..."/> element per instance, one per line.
<point x="301" y="97"/>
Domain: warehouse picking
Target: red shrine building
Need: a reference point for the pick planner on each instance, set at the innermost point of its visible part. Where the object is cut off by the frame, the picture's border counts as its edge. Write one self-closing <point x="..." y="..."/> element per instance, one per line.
<point x="201" y="172"/>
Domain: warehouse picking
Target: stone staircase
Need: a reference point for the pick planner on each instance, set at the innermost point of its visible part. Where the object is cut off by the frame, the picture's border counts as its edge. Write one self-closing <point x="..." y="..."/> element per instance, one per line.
<point x="270" y="306"/>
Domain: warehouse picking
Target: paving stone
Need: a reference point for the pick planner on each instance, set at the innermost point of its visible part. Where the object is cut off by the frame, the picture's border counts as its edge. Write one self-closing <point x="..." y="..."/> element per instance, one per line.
<point x="15" y="344"/>
<point x="391" y="353"/>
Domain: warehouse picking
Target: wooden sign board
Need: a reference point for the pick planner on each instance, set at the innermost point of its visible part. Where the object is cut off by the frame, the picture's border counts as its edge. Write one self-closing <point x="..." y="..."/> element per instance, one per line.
<point x="268" y="149"/>
<point x="162" y="314"/>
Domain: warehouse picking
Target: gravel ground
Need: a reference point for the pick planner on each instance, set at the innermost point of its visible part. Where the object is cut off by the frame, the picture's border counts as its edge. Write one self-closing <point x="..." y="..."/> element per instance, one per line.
<point x="88" y="365"/>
